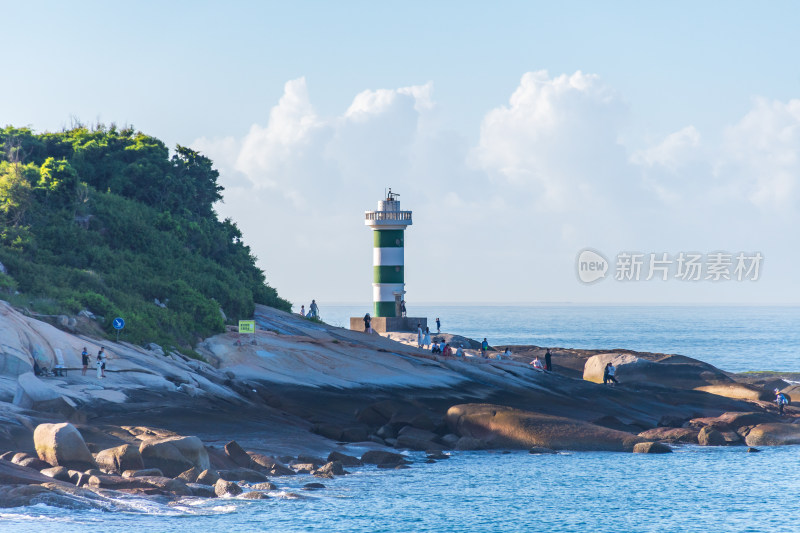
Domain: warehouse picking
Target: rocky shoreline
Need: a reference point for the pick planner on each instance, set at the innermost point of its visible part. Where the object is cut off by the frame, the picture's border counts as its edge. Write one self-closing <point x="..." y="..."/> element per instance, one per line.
<point x="307" y="399"/>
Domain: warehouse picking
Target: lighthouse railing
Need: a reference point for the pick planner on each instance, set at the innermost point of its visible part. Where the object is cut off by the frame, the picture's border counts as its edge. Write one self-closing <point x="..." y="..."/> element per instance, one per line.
<point x="388" y="215"/>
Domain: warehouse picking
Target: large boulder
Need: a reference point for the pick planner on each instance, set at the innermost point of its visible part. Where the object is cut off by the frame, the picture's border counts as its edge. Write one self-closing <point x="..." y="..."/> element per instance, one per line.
<point x="237" y="454"/>
<point x="667" y="434"/>
<point x="62" y="445"/>
<point x="708" y="436"/>
<point x="773" y="435"/>
<point x="226" y="488"/>
<point x="670" y="371"/>
<point x="380" y="457"/>
<point x="738" y="391"/>
<point x="507" y="428"/>
<point x="120" y="459"/>
<point x="174" y="455"/>
<point x="59" y="473"/>
<point x="651" y="447"/>
<point x="345" y="460"/>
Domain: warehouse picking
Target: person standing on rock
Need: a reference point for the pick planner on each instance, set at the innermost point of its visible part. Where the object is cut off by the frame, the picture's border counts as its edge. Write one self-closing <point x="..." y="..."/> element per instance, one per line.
<point x="314" y="309"/>
<point x="420" y="336"/>
<point x="609" y="374"/>
<point x="303" y="311"/>
<point x="547" y="363"/>
<point x="367" y="323"/>
<point x="84" y="361"/>
<point x="781" y="400"/>
<point x="426" y="339"/>
<point x="101" y="363"/>
<point x="484" y="347"/>
<point x="402" y="308"/>
<point x="438" y="325"/>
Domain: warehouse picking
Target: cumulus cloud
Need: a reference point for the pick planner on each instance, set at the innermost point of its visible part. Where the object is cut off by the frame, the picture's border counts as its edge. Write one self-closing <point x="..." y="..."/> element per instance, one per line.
<point x="540" y="177"/>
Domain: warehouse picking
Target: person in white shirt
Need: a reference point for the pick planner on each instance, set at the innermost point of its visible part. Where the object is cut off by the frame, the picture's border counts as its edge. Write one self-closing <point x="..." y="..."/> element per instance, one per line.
<point x="537" y="364"/>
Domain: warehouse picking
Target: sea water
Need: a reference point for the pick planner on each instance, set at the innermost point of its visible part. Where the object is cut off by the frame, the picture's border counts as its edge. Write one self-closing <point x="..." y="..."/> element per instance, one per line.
<point x="693" y="489"/>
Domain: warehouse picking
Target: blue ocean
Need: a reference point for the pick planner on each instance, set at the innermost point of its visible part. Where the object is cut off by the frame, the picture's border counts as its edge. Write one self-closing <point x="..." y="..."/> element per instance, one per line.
<point x="694" y="489"/>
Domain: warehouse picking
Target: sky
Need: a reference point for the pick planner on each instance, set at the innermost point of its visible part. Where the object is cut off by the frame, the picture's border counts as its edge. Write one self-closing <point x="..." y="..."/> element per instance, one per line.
<point x="518" y="133"/>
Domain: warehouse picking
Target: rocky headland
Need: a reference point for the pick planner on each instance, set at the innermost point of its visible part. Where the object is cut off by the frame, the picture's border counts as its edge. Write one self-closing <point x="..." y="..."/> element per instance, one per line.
<point x="304" y="398"/>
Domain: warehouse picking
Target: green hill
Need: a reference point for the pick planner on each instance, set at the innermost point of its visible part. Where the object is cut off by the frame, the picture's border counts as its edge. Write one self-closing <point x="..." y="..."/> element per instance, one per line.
<point x="108" y="220"/>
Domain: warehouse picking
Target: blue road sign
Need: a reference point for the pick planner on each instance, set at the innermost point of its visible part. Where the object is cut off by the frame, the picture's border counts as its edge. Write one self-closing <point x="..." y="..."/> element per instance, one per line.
<point x="118" y="323"/>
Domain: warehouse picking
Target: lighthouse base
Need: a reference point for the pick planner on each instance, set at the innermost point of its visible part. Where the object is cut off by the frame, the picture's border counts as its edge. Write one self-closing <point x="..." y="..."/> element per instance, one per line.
<point x="383" y="324"/>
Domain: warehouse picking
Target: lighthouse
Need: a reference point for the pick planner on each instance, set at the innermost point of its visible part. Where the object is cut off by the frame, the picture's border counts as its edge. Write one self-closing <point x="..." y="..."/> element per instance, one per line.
<point x="388" y="224"/>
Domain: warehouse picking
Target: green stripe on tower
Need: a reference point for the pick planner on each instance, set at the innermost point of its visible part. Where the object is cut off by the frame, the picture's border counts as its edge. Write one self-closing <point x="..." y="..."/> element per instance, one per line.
<point x="384" y="309"/>
<point x="387" y="274"/>
<point x="388" y="238"/>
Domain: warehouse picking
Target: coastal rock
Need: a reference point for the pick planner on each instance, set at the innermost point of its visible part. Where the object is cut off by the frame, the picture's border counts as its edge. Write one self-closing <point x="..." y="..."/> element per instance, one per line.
<point x="166" y="485"/>
<point x="417" y="439"/>
<point x="50" y="495"/>
<point x="507" y="428"/>
<point x="237" y="454"/>
<point x="62" y="445"/>
<point x="34" y="394"/>
<point x="380" y="457"/>
<point x="328" y="431"/>
<point x="773" y="435"/>
<point x="466" y="444"/>
<point x="120" y="459"/>
<point x="143" y="472"/>
<point x="734" y="421"/>
<point x="354" y="434"/>
<point x="671" y="434"/>
<point x="313" y="486"/>
<point x="191" y="475"/>
<point x="117" y="482"/>
<point x="334" y="468"/>
<point x="33" y="462"/>
<point x="202" y="491"/>
<point x="11" y="474"/>
<point x="345" y="460"/>
<point x="264" y="486"/>
<point x="538" y="450"/>
<point x="271" y="466"/>
<point x="449" y="441"/>
<point x="207" y="477"/>
<point x="709" y="436"/>
<point x="174" y="455"/>
<point x="671" y="421"/>
<point x="738" y="391"/>
<point x="255" y="495"/>
<point x="316" y="461"/>
<point x="304" y="468"/>
<point x="651" y="447"/>
<point x="671" y="371"/>
<point x="226" y="488"/>
<point x="78" y="478"/>
<point x="59" y="473"/>
<point x="242" y="474"/>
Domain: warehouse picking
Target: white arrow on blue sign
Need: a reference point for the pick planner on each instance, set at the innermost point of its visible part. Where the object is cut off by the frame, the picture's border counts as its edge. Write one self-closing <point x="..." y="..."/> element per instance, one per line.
<point x="118" y="323"/>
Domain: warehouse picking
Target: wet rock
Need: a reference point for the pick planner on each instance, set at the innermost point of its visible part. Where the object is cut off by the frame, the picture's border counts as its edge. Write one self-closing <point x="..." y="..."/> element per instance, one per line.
<point x="671" y="434"/>
<point x="773" y="435"/>
<point x="539" y="450"/>
<point x="117" y="482"/>
<point x="316" y="461"/>
<point x="62" y="445"/>
<point x="207" y="477"/>
<point x="255" y="495"/>
<point x="143" y="472"/>
<point x="53" y="496"/>
<point x="202" y="491"/>
<point x="345" y="460"/>
<point x="174" y="455"/>
<point x="242" y="474"/>
<point x="271" y="466"/>
<point x="304" y="468"/>
<point x="377" y="440"/>
<point x="450" y="441"/>
<point x="166" y="485"/>
<point x="465" y="444"/>
<point x="59" y="473"/>
<point x="437" y="455"/>
<point x="120" y="459"/>
<point x="237" y="454"/>
<point x="394" y="466"/>
<point x="226" y="488"/>
<point x="380" y="457"/>
<point x="753" y="450"/>
<point x="334" y="468"/>
<point x="78" y="478"/>
<point x="651" y="447"/>
<point x="264" y="486"/>
<point x="709" y="436"/>
<point x="313" y="486"/>
<point x="387" y="431"/>
<point x="507" y="428"/>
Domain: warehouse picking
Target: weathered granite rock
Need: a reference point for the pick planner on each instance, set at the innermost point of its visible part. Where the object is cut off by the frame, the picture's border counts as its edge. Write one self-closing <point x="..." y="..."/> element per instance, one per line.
<point x="12" y="474"/>
<point x="313" y="486"/>
<point x="773" y="435"/>
<point x="738" y="391"/>
<point x="117" y="482"/>
<point x="305" y="459"/>
<point x="449" y="441"/>
<point x="226" y="488"/>
<point x="271" y="466"/>
<point x="78" y="478"/>
<point x="59" y="473"/>
<point x="34" y="462"/>
<point x="733" y="421"/>
<point x="120" y="459"/>
<point x="466" y="444"/>
<point x="345" y="460"/>
<point x="507" y="428"/>
<point x="264" y="486"/>
<point x="709" y="436"/>
<point x="304" y="468"/>
<point x="380" y="457"/>
<point x="143" y="472"/>
<point x="671" y="371"/>
<point x="62" y="445"/>
<point x="49" y="494"/>
<point x="34" y="394"/>
<point x="207" y="477"/>
<point x="334" y="468"/>
<point x="237" y="454"/>
<point x="671" y="434"/>
<point x="651" y="447"/>
<point x="174" y="455"/>
<point x="190" y="476"/>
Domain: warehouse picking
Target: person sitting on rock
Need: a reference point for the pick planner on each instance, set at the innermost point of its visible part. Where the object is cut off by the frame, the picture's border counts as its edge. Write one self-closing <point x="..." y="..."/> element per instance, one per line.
<point x="507" y="353"/>
<point x="447" y="352"/>
<point x="537" y="364"/>
<point x="781" y="400"/>
<point x="459" y="352"/>
<point x="609" y="374"/>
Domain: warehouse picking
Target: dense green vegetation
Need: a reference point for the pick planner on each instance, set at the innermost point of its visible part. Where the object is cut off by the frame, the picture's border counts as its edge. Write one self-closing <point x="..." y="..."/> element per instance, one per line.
<point x="105" y="219"/>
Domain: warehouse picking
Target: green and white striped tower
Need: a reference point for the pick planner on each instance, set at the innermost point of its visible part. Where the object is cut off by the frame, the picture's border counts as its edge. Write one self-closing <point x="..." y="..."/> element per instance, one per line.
<point x="388" y="225"/>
